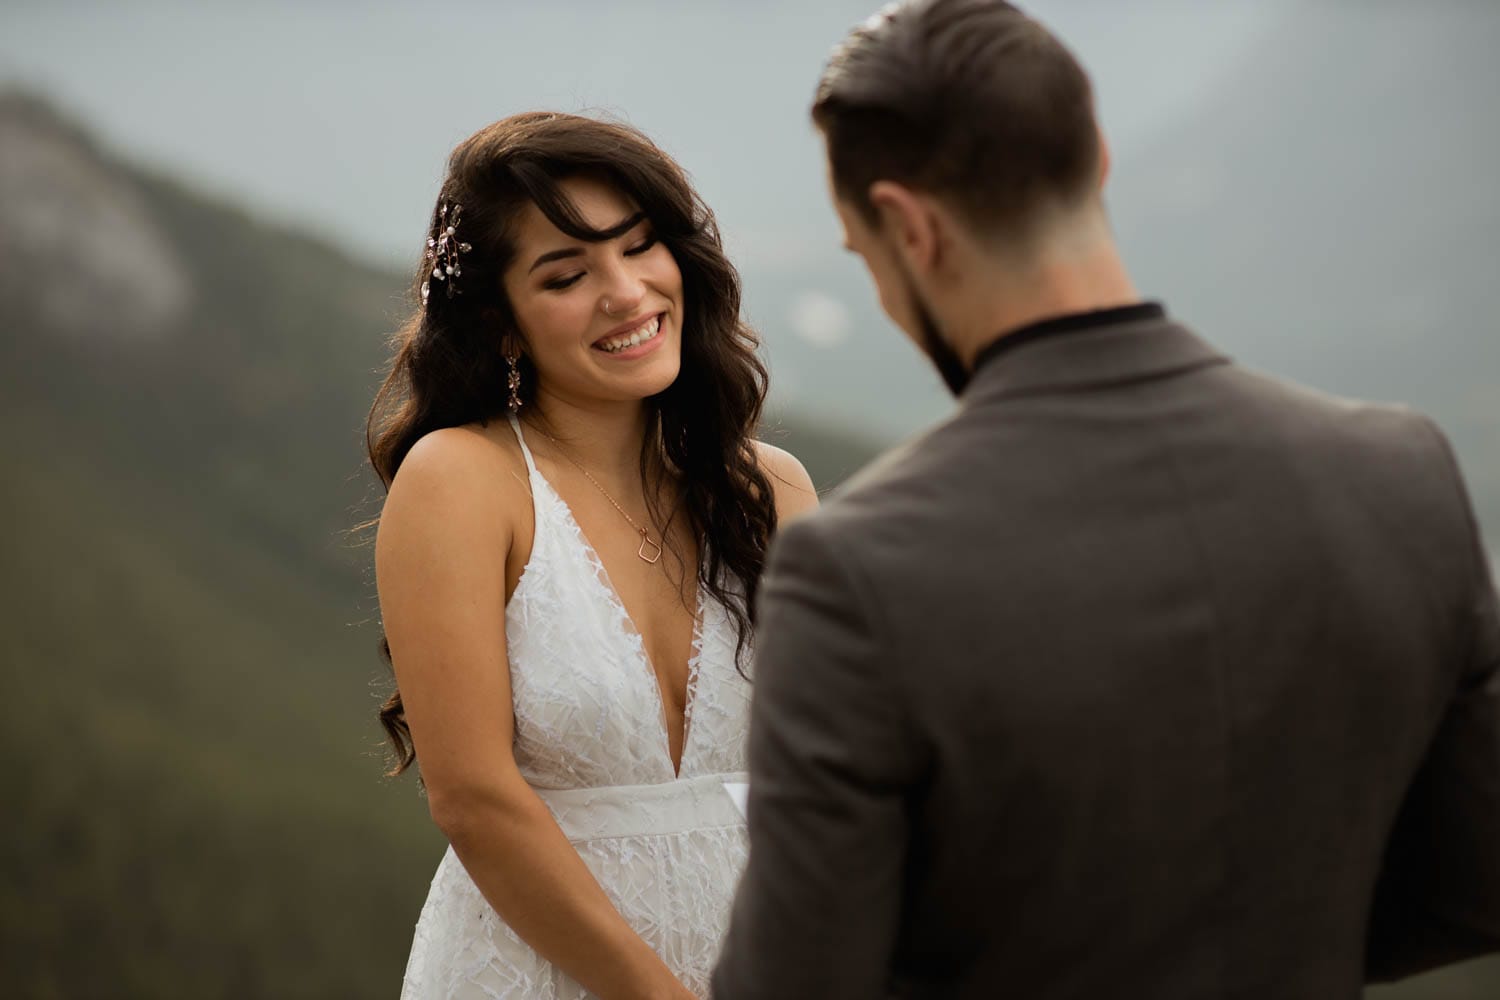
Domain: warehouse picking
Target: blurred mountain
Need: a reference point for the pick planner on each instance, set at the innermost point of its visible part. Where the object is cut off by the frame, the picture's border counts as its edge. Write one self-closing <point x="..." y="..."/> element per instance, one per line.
<point x="145" y="320"/>
<point x="197" y="810"/>
<point x="191" y="637"/>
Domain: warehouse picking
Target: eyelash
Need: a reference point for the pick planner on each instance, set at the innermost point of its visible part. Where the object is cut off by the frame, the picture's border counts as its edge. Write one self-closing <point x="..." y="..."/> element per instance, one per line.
<point x="641" y="247"/>
<point x="635" y="251"/>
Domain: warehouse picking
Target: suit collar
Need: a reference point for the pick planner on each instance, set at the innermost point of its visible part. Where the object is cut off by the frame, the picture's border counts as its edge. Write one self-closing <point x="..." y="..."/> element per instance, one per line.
<point x="1081" y="352"/>
<point x="1078" y="322"/>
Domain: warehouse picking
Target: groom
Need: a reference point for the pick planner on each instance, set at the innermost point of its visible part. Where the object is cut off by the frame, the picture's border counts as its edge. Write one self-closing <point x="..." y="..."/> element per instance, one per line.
<point x="1143" y="675"/>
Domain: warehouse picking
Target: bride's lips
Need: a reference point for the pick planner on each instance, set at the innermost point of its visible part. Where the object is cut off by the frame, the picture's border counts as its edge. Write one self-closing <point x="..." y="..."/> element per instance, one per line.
<point x="639" y="350"/>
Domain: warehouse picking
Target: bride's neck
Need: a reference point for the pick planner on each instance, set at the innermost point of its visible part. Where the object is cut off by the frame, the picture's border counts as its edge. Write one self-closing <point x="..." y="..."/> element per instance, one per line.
<point x="605" y="438"/>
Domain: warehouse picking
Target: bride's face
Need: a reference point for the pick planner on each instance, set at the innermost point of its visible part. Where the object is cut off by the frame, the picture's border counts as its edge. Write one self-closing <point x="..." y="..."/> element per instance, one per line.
<point x="600" y="321"/>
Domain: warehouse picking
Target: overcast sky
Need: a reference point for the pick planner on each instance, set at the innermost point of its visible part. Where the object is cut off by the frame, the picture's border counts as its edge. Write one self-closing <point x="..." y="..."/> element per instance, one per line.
<point x="340" y="115"/>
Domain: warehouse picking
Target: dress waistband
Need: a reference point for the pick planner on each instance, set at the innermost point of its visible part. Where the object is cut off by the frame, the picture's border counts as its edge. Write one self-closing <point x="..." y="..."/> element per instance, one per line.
<point x="671" y="807"/>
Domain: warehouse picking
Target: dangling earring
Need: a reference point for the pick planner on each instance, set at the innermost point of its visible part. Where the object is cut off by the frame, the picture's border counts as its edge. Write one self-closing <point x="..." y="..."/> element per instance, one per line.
<point x="513" y="381"/>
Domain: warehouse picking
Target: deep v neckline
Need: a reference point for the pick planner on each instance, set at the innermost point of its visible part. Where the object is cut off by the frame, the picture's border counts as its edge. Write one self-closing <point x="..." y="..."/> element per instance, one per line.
<point x="632" y="629"/>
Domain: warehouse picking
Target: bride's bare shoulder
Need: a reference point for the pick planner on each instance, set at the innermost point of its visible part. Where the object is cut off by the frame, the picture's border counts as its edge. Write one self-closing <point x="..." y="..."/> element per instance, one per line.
<point x="792" y="486"/>
<point x="467" y="476"/>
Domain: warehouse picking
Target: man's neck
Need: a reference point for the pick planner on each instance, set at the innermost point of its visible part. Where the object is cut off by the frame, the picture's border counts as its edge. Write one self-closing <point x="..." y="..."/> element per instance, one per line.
<point x="1075" y="279"/>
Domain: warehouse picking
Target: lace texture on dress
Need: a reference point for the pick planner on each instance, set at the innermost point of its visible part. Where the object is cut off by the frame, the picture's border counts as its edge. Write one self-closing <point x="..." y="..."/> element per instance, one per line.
<point x="590" y="737"/>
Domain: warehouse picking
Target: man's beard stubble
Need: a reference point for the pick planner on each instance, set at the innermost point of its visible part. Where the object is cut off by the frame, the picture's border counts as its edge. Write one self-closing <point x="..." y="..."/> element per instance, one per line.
<point x="944" y="358"/>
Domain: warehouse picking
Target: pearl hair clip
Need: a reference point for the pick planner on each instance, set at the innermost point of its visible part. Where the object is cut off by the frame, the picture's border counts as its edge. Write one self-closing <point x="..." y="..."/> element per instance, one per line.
<point x="443" y="250"/>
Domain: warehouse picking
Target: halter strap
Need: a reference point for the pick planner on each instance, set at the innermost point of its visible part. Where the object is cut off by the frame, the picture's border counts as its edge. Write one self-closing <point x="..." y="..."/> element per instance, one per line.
<point x="515" y="425"/>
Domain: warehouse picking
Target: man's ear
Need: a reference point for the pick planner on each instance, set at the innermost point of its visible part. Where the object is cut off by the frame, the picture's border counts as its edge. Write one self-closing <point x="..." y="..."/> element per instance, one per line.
<point x="1105" y="161"/>
<point x="907" y="221"/>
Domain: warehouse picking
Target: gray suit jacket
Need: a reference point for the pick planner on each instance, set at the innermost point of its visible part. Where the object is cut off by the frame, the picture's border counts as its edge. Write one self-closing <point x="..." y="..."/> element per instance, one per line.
<point x="1142" y="676"/>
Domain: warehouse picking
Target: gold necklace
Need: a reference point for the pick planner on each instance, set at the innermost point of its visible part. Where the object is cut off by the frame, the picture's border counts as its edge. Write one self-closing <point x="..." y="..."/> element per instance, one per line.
<point x="649" y="551"/>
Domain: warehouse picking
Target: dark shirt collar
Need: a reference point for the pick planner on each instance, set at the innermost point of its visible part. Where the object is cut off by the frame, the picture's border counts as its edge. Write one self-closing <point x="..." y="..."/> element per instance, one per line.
<point x="1071" y="323"/>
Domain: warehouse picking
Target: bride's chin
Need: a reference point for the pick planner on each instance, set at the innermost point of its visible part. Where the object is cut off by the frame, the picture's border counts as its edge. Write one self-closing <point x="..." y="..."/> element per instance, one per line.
<point x="647" y="382"/>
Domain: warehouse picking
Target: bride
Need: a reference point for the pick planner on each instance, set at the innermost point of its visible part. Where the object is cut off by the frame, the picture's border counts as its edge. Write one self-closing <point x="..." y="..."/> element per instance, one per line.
<point x="575" y="523"/>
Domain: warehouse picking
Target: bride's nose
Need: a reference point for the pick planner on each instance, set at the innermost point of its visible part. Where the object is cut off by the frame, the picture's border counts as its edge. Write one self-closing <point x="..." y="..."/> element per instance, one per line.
<point x="622" y="294"/>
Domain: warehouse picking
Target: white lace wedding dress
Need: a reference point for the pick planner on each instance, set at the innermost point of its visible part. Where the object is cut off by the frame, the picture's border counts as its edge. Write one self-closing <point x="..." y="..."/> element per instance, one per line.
<point x="590" y="737"/>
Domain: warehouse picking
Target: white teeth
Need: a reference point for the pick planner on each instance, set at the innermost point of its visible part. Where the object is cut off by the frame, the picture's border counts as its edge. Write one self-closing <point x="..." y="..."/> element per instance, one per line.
<point x="640" y="335"/>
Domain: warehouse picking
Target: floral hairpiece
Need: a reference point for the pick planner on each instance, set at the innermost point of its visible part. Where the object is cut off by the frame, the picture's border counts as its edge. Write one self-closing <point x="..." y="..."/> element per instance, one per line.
<point x="443" y="250"/>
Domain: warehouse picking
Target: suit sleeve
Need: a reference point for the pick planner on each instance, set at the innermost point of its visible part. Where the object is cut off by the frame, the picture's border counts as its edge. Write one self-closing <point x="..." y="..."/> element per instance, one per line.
<point x="831" y="762"/>
<point x="1439" y="897"/>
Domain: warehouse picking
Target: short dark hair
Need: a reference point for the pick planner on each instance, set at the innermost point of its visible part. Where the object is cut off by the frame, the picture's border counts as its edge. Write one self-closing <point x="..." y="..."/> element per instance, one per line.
<point x="970" y="100"/>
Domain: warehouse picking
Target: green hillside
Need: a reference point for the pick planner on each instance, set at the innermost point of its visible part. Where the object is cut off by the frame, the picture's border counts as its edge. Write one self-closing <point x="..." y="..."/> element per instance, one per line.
<point x="197" y="812"/>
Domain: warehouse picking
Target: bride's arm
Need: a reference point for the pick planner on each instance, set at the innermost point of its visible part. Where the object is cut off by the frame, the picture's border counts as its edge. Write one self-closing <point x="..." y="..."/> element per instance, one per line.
<point x="440" y="570"/>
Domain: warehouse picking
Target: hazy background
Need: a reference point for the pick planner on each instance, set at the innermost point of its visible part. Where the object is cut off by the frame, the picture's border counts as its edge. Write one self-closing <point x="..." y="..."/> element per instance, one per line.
<point x="208" y="215"/>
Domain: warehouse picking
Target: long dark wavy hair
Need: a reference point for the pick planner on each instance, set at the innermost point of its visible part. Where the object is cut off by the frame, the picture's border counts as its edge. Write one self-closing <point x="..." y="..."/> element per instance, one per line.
<point x="449" y="366"/>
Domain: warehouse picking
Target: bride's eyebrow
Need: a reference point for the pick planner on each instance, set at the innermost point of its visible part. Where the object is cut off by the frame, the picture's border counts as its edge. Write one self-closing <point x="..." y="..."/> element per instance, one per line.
<point x="613" y="232"/>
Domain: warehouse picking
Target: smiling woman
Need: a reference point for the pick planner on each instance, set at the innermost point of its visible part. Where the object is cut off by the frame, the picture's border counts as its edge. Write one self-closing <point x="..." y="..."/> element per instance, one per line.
<point x="593" y="305"/>
<point x="576" y="521"/>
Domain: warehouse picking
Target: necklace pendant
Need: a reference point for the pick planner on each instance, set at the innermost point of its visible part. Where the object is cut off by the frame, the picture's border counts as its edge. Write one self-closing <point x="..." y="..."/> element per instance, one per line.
<point x="649" y="550"/>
